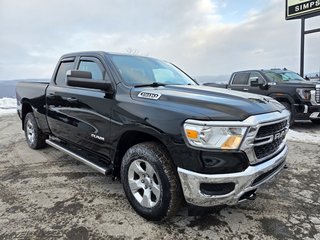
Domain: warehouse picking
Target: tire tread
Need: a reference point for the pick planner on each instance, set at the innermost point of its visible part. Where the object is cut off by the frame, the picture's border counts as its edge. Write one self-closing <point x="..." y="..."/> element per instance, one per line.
<point x="163" y="157"/>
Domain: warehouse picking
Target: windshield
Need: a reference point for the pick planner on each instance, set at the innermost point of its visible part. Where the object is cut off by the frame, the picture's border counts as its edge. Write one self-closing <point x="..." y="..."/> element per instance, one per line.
<point x="137" y="70"/>
<point x="283" y="76"/>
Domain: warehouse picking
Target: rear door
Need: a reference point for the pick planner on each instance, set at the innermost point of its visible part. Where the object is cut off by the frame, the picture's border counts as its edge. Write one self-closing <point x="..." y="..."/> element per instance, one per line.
<point x="81" y="115"/>
<point x="56" y="99"/>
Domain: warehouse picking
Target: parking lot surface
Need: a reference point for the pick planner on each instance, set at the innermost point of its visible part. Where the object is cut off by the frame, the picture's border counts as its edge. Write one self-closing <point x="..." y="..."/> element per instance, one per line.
<point x="45" y="194"/>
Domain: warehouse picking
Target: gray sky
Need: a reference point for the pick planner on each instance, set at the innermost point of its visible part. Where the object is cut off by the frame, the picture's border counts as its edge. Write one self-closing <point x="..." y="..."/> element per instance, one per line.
<point x="203" y="37"/>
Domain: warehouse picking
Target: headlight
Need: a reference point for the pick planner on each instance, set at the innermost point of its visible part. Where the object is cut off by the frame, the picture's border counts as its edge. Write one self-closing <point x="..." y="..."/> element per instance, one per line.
<point x="222" y="137"/>
<point x="304" y="93"/>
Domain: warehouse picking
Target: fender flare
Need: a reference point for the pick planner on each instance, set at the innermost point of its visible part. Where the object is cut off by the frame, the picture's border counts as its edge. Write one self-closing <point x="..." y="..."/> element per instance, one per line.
<point x="148" y="131"/>
<point x="282" y="97"/>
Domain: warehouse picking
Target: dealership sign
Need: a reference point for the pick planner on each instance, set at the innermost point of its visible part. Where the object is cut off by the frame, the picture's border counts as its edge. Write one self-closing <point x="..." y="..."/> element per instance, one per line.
<point x="300" y="8"/>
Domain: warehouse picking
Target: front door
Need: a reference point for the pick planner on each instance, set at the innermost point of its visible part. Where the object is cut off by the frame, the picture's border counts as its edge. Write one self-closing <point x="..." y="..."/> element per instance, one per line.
<point x="261" y="80"/>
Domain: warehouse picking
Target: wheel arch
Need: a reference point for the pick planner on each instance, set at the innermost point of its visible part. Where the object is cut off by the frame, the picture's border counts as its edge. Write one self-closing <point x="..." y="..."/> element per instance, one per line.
<point x="286" y="99"/>
<point x="26" y="108"/>
<point x="127" y="140"/>
<point x="281" y="97"/>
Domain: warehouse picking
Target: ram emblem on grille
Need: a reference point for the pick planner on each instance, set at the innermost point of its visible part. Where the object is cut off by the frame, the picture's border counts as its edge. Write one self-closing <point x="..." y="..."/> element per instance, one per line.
<point x="280" y="135"/>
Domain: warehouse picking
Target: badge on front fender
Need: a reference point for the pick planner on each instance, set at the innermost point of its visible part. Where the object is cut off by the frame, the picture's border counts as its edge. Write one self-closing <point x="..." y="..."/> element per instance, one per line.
<point x="149" y="95"/>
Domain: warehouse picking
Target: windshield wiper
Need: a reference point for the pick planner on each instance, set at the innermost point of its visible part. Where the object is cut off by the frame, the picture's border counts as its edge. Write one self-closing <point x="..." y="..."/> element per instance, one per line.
<point x="154" y="84"/>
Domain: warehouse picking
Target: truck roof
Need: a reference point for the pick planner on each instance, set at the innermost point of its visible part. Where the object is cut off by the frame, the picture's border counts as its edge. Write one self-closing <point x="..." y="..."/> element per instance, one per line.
<point x="100" y="53"/>
<point x="83" y="53"/>
<point x="263" y="70"/>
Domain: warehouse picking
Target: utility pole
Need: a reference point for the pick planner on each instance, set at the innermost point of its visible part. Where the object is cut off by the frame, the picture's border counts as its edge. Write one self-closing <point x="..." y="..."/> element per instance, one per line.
<point x="303" y="33"/>
<point x="303" y="23"/>
<point x="303" y="9"/>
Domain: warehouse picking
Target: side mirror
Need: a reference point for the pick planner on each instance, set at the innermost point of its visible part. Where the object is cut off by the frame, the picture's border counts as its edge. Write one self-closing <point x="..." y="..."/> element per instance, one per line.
<point x="77" y="78"/>
<point x="254" y="82"/>
<point x="78" y="74"/>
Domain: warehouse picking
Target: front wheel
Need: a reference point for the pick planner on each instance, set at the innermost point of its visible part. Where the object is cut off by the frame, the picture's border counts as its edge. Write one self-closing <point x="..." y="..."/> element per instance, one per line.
<point x="150" y="182"/>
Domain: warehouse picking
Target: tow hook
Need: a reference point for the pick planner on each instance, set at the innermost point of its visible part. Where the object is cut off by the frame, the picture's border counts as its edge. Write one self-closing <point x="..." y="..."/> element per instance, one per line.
<point x="252" y="197"/>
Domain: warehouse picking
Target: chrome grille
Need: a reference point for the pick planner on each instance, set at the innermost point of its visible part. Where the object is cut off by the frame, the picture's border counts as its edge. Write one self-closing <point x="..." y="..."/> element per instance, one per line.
<point x="318" y="95"/>
<point x="271" y="129"/>
<point x="264" y="129"/>
<point x="268" y="139"/>
<point x="267" y="149"/>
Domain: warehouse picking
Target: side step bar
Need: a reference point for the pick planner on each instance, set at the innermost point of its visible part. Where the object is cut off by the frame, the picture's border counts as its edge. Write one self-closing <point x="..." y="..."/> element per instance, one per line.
<point x="102" y="169"/>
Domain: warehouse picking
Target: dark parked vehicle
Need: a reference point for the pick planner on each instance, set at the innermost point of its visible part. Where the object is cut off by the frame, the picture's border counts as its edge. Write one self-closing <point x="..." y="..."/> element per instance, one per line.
<point x="299" y="96"/>
<point x="146" y="122"/>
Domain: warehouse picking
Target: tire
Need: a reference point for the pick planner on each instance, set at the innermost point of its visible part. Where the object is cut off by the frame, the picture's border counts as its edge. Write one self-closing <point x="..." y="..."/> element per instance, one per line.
<point x="289" y="108"/>
<point x="34" y="136"/>
<point x="315" y="121"/>
<point x="150" y="181"/>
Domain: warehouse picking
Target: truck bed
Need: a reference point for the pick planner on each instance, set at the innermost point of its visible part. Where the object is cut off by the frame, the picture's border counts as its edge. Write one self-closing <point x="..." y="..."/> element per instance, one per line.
<point x="35" y="94"/>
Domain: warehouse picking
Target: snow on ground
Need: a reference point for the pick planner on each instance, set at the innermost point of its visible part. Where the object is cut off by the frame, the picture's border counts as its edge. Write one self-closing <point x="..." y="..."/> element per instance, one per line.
<point x="305" y="137"/>
<point x="8" y="106"/>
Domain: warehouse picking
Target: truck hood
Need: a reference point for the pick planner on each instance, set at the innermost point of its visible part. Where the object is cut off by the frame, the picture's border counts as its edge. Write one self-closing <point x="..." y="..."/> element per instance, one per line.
<point x="209" y="102"/>
<point x="299" y="84"/>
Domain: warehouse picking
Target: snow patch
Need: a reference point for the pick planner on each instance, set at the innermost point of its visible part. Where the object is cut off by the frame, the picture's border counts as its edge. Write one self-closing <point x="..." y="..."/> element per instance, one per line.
<point x="8" y="106"/>
<point x="303" y="137"/>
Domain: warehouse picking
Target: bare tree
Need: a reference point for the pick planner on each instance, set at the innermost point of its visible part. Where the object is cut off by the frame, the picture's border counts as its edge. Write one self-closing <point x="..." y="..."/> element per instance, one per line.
<point x="132" y="51"/>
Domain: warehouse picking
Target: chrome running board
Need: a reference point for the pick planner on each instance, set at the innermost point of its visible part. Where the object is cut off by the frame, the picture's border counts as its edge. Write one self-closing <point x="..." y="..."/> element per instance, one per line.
<point x="106" y="170"/>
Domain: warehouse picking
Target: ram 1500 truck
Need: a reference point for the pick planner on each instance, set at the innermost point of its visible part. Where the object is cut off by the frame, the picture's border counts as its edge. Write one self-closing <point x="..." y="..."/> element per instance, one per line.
<point x="299" y="96"/>
<point x="147" y="123"/>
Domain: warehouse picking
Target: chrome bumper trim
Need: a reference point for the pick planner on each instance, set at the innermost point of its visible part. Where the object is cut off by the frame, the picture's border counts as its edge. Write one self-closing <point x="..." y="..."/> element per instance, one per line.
<point x="315" y="115"/>
<point x="190" y="182"/>
<point x="313" y="97"/>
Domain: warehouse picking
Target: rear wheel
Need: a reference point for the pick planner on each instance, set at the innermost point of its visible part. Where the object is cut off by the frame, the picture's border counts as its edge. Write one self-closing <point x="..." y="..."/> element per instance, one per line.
<point x="289" y="108"/>
<point x="34" y="136"/>
<point x="150" y="182"/>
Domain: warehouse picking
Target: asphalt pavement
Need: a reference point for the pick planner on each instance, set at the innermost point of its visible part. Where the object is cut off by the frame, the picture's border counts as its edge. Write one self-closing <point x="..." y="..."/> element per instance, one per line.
<point x="45" y="194"/>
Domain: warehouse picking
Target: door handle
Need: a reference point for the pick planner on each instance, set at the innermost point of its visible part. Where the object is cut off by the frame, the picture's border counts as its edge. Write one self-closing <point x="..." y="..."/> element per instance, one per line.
<point x="72" y="100"/>
<point x="245" y="89"/>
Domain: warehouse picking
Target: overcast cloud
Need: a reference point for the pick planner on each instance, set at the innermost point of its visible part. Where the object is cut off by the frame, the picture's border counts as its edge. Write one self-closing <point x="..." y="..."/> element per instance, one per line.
<point x="203" y="37"/>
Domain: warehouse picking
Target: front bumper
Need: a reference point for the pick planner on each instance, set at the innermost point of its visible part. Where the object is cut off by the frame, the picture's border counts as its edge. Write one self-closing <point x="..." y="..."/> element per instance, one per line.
<point x="306" y="112"/>
<point x="244" y="182"/>
<point x="312" y="109"/>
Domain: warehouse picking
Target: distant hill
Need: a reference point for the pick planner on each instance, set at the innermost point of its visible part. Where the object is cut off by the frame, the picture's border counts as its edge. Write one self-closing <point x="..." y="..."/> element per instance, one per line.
<point x="8" y="87"/>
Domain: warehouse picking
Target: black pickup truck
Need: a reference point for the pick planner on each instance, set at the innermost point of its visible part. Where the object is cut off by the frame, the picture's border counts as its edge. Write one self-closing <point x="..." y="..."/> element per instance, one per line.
<point x="147" y="123"/>
<point x="299" y="96"/>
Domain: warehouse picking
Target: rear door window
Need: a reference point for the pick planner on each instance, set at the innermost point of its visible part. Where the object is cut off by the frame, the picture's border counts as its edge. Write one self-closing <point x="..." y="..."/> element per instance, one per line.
<point x="241" y="78"/>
